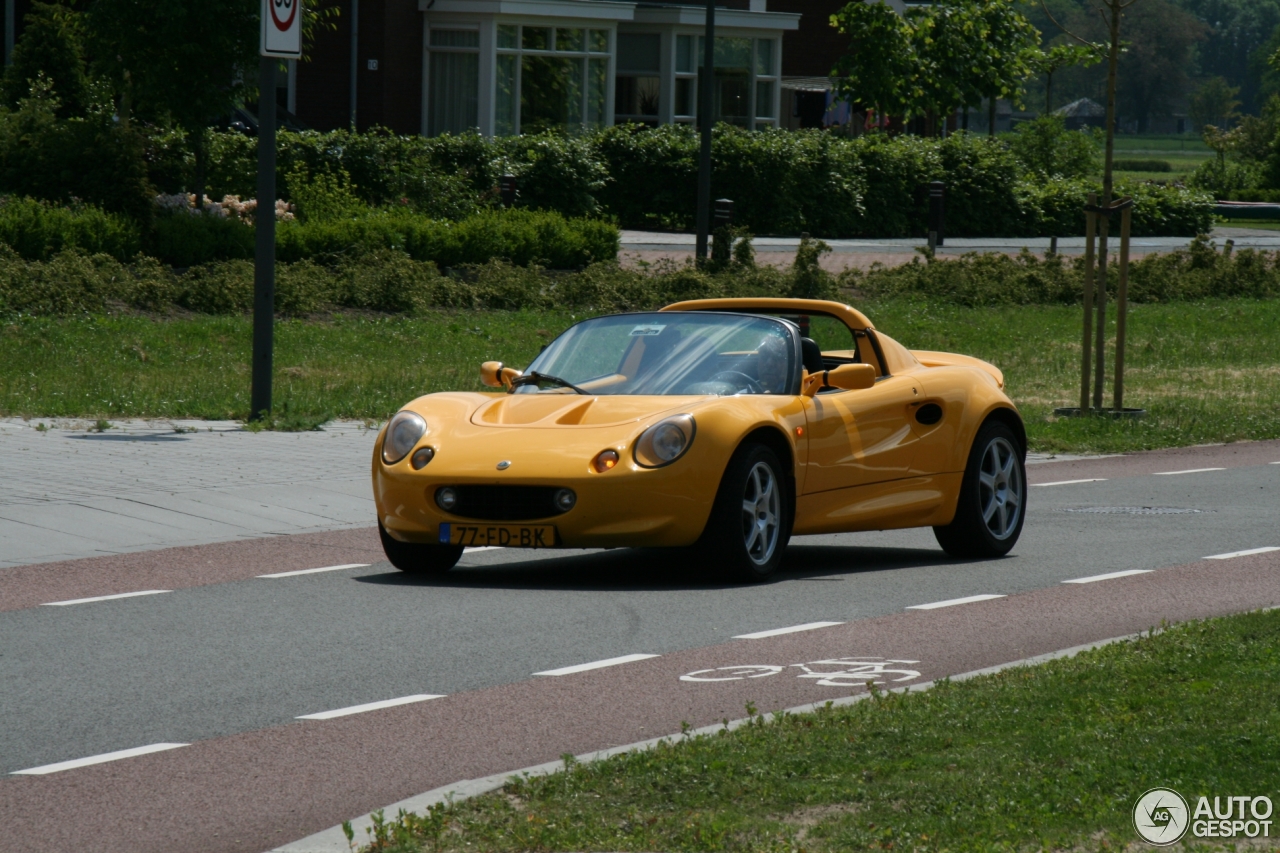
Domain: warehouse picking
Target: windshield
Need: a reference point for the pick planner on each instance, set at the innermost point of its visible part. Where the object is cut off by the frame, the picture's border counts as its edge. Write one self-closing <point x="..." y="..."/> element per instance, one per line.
<point x="669" y="353"/>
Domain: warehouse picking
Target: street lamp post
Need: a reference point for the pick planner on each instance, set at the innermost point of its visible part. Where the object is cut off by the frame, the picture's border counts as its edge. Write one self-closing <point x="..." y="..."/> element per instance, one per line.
<point x="706" y="118"/>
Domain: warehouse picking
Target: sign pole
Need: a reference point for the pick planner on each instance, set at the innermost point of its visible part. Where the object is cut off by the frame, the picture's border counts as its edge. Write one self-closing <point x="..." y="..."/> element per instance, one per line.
<point x="281" y="39"/>
<point x="706" y="116"/>
<point x="264" y="262"/>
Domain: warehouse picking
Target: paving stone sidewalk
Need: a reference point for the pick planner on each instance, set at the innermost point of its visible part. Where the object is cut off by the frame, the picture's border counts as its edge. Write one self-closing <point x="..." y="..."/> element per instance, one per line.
<point x="68" y="492"/>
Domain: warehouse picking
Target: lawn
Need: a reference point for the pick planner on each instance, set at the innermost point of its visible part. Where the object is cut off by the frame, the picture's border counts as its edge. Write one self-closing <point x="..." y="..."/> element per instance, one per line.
<point x="1051" y="757"/>
<point x="1204" y="372"/>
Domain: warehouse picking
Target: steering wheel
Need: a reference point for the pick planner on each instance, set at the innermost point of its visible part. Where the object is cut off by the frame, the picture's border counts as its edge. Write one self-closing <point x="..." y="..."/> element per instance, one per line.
<point x="738" y="378"/>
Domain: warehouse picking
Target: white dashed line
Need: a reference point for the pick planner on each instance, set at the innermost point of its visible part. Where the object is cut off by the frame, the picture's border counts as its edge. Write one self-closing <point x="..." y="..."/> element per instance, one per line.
<point x="1071" y="482"/>
<point x="1188" y="471"/>
<point x="105" y="597"/>
<point x="808" y="626"/>
<point x="370" y="706"/>
<point x="1250" y="552"/>
<point x="96" y="759"/>
<point x="1109" y="576"/>
<point x="953" y="601"/>
<point x="314" y="571"/>
<point x="599" y="664"/>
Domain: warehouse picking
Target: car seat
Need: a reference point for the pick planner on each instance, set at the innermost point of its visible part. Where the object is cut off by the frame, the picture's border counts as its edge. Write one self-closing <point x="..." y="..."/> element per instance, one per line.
<point x="811" y="355"/>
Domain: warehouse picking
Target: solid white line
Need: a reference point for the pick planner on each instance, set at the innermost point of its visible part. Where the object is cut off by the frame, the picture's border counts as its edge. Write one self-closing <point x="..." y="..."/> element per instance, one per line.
<point x="472" y="550"/>
<point x="1070" y="482"/>
<point x="599" y="664"/>
<point x="935" y="605"/>
<point x="313" y="571"/>
<point x="105" y="597"/>
<point x="96" y="759"/>
<point x="1250" y="552"/>
<point x="808" y="626"/>
<point x="1109" y="576"/>
<point x="370" y="706"/>
<point x="1188" y="471"/>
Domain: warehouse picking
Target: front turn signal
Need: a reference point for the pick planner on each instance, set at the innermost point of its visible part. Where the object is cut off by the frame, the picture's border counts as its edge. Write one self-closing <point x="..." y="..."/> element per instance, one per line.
<point x="605" y="460"/>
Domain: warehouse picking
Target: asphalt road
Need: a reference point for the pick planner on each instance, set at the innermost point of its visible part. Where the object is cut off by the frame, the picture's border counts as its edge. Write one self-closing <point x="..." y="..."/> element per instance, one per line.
<point x="226" y="660"/>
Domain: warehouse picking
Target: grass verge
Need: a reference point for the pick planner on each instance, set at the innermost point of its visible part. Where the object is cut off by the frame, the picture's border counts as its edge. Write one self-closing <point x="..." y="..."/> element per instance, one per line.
<point x="1051" y="757"/>
<point x="1205" y="372"/>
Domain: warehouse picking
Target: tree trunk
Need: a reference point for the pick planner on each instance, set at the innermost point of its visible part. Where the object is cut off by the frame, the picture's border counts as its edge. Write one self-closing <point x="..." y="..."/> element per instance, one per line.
<point x="1048" y="93"/>
<point x="991" y="116"/>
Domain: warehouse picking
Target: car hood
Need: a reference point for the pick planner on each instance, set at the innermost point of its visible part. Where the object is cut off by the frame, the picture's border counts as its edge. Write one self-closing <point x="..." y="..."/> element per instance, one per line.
<point x="575" y="410"/>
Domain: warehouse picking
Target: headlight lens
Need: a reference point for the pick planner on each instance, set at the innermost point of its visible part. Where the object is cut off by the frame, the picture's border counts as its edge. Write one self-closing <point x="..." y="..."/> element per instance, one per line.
<point x="665" y="441"/>
<point x="403" y="433"/>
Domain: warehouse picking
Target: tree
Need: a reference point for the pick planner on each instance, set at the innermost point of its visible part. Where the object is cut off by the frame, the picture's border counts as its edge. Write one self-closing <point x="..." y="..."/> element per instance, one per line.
<point x="1237" y="31"/>
<point x="1214" y="103"/>
<point x="1153" y="68"/>
<point x="879" y="68"/>
<point x="52" y="45"/>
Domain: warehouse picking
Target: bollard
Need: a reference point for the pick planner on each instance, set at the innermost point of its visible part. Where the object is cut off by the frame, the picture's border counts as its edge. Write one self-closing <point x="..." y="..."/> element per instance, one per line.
<point x="937" y="216"/>
<point x="509" y="190"/>
<point x="723" y="216"/>
<point x="1053" y="245"/>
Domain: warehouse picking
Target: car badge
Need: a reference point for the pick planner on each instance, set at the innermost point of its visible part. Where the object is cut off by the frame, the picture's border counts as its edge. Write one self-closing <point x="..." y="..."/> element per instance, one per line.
<point x="504" y="464"/>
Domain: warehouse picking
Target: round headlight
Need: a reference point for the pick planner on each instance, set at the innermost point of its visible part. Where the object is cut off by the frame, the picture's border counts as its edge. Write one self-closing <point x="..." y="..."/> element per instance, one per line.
<point x="403" y="433"/>
<point x="565" y="499"/>
<point x="665" y="441"/>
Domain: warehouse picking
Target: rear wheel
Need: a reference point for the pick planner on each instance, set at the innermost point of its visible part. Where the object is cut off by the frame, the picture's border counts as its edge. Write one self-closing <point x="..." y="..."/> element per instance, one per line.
<point x="993" y="497"/>
<point x="751" y="520"/>
<point x="418" y="558"/>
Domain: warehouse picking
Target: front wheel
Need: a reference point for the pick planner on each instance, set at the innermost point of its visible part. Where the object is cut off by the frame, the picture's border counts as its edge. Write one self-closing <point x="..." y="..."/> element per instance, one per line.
<point x="993" y="497"/>
<point x="417" y="558"/>
<point x="750" y="522"/>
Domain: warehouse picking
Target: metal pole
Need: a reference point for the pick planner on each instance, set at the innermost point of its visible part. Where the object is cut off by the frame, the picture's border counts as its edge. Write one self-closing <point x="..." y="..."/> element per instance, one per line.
<point x="264" y="264"/>
<point x="1090" y="220"/>
<point x="1122" y="308"/>
<point x="706" y="117"/>
<point x="355" y="44"/>
<point x="10" y="21"/>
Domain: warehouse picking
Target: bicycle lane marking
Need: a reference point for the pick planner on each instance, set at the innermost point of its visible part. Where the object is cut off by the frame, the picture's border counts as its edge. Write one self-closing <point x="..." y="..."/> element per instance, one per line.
<point x="828" y="672"/>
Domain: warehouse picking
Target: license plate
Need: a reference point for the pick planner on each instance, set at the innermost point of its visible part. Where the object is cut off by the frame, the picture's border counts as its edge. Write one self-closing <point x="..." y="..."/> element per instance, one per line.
<point x="501" y="535"/>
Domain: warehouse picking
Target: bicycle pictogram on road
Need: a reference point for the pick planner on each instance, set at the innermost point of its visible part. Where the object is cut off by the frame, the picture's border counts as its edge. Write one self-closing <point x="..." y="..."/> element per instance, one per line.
<point x="832" y="672"/>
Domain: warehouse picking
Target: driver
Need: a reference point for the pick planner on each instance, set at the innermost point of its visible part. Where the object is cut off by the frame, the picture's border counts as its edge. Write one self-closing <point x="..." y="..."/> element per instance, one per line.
<point x="771" y="364"/>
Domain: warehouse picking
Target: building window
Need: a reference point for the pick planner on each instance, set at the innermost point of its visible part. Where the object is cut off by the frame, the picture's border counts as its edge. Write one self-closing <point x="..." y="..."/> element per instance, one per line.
<point x="639" y="84"/>
<point x="454" y="81"/>
<point x="550" y="78"/>
<point x="746" y="81"/>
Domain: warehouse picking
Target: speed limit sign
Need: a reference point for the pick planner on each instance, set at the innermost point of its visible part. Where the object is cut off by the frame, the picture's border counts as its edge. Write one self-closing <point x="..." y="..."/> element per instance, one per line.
<point x="281" y="28"/>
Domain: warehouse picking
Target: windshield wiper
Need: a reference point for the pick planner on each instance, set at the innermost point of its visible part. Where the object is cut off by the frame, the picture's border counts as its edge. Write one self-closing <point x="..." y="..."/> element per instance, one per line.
<point x="535" y="378"/>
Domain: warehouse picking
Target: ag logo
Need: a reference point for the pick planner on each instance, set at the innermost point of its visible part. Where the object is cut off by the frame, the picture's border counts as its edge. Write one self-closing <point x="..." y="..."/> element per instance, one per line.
<point x="1160" y="816"/>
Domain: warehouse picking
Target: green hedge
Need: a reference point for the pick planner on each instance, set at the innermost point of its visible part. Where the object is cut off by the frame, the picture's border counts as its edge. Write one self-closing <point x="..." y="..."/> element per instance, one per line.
<point x="1142" y="166"/>
<point x="38" y="230"/>
<point x="781" y="181"/>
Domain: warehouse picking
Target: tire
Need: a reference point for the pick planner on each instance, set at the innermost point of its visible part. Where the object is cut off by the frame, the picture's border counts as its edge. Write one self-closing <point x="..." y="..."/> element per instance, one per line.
<point x="993" y="497"/>
<point x="750" y="521"/>
<point x="417" y="558"/>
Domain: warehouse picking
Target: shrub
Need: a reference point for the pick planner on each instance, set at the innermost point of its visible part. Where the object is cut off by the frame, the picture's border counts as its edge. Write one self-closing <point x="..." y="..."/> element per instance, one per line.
<point x="1057" y="208"/>
<point x="38" y="230"/>
<point x="185" y="240"/>
<point x="1047" y="149"/>
<point x="1224" y="177"/>
<point x="73" y="282"/>
<point x="86" y="158"/>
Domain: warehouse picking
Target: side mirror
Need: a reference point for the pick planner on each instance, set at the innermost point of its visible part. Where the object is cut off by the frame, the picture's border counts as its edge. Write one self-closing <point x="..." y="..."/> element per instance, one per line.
<point x="495" y="375"/>
<point x="849" y="377"/>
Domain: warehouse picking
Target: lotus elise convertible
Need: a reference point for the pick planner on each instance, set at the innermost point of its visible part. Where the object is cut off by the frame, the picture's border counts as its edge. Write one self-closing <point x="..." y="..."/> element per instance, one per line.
<point x="723" y="425"/>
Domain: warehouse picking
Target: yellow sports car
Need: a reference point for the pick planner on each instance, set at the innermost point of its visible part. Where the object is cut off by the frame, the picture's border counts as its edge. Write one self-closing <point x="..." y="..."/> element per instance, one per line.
<point x="722" y="424"/>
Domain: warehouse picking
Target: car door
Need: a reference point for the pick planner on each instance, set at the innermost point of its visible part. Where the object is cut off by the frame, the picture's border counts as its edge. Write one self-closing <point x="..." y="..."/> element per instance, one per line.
<point x="861" y="437"/>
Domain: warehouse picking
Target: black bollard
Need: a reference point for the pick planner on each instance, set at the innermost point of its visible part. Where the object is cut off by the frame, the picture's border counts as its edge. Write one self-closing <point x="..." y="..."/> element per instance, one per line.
<point x="937" y="218"/>
<point x="509" y="189"/>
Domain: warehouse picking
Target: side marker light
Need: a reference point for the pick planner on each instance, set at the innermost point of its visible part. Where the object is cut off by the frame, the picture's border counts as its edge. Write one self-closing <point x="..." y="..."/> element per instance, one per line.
<point x="421" y="457"/>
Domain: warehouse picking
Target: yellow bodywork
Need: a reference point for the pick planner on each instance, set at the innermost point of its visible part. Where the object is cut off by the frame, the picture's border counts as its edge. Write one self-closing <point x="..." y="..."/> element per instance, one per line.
<point x="861" y="459"/>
